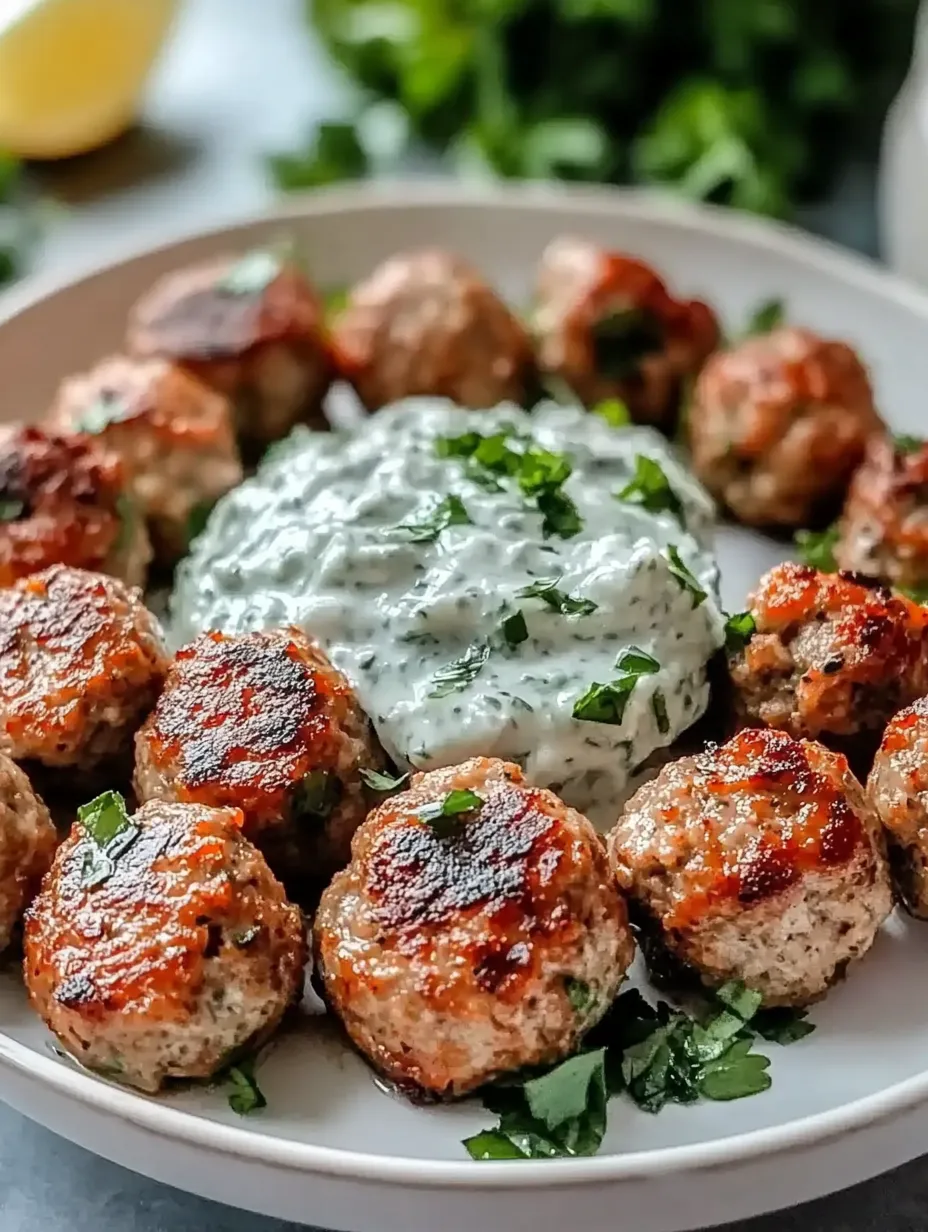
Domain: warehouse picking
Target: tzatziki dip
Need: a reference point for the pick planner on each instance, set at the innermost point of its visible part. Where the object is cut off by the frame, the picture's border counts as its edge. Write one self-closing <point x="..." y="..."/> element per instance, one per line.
<point x="538" y="587"/>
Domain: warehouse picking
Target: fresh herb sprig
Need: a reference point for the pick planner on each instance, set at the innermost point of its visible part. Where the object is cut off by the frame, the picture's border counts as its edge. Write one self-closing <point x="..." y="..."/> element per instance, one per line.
<point x="739" y="629"/>
<point x="654" y="1054"/>
<point x="650" y="489"/>
<point x="109" y="832"/>
<point x="684" y="576"/>
<point x="446" y="816"/>
<point x="381" y="782"/>
<point x="606" y="703"/>
<point x="817" y="548"/>
<point x="767" y="316"/>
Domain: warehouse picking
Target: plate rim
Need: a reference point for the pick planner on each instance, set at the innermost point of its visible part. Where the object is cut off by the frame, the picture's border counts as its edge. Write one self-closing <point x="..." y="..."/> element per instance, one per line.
<point x="164" y="1120"/>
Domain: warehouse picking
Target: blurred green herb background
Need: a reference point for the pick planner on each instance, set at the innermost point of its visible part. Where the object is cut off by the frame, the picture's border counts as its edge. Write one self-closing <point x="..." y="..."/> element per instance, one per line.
<point x="751" y="103"/>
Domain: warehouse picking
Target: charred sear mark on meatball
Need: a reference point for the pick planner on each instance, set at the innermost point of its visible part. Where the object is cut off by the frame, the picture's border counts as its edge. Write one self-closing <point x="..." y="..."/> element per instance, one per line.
<point x="454" y="953"/>
<point x="898" y="789"/>
<point x="174" y="434"/>
<point x="140" y="973"/>
<point x="760" y="860"/>
<point x="263" y="722"/>
<point x="883" y="532"/>
<point x="777" y="425"/>
<point x="81" y="662"/>
<point x="65" y="499"/>
<point x="426" y="323"/>
<point x="606" y="325"/>
<point x="830" y="657"/>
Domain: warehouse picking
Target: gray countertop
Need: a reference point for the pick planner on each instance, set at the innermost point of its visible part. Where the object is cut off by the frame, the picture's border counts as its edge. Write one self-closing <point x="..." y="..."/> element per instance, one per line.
<point x="238" y="81"/>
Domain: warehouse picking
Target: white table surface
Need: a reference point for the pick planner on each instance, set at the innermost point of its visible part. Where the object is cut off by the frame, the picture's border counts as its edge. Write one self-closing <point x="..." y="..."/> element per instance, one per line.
<point x="240" y="79"/>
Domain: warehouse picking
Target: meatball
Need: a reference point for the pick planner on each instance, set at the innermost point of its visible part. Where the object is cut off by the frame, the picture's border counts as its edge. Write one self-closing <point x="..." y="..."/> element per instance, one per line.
<point x="476" y="930"/>
<point x="778" y="424"/>
<point x="883" y="532"/>
<point x="161" y="946"/>
<point x="760" y="861"/>
<point x="81" y="663"/>
<point x="66" y="500"/>
<point x="263" y="722"/>
<point x="175" y="435"/>
<point x="898" y="788"/>
<point x="606" y="325"/>
<point x="251" y="327"/>
<point x="831" y="658"/>
<point x="427" y="323"/>
<point x="27" y="844"/>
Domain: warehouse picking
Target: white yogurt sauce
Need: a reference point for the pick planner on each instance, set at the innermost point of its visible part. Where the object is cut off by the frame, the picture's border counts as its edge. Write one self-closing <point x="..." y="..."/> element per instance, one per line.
<point x="312" y="541"/>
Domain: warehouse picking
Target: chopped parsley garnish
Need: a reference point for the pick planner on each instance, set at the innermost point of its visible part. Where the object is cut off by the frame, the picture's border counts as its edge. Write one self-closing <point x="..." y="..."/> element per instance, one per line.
<point x="546" y="589"/>
<point x="197" y="519"/>
<point x="461" y="672"/>
<point x="378" y="781"/>
<point x="605" y="703"/>
<point x="444" y="816"/>
<point x="906" y="444"/>
<point x="659" y="706"/>
<point x="107" y="408"/>
<point x="514" y="629"/>
<point x="579" y="994"/>
<point x="109" y="832"/>
<point x="539" y="473"/>
<point x="252" y="274"/>
<point x="245" y="1096"/>
<point x="684" y="576"/>
<point x="10" y="510"/>
<point x="817" y="548"/>
<point x="449" y="512"/>
<point x="918" y="594"/>
<point x="766" y="316"/>
<point x="651" y="489"/>
<point x="739" y="629"/>
<point x="614" y="411"/>
<point x="317" y="794"/>
<point x="622" y="339"/>
<point x="654" y="1054"/>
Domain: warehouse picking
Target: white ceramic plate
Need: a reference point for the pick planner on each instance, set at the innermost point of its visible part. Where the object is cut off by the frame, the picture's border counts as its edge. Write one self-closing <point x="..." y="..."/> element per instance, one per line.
<point x="331" y="1149"/>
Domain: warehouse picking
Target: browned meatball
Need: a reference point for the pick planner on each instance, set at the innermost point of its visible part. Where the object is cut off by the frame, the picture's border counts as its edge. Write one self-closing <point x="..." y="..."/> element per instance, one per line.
<point x="607" y="326"/>
<point x="251" y="327"/>
<point x="161" y="945"/>
<point x="65" y="499"/>
<point x="476" y="930"/>
<point x="884" y="529"/>
<point x="759" y="861"/>
<point x="81" y="663"/>
<point x="831" y="658"/>
<point x="898" y="788"/>
<point x="263" y="722"/>
<point x="777" y="425"/>
<point x="174" y="434"/>
<point x="27" y="844"/>
<point x="427" y="323"/>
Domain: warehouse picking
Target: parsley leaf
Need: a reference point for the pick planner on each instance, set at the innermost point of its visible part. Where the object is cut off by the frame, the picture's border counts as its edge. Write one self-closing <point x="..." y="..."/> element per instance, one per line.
<point x="614" y="411"/>
<point x="744" y="1002"/>
<point x="767" y="316"/>
<point x="245" y="1095"/>
<point x="906" y="444"/>
<point x="579" y="994"/>
<point x="444" y="815"/>
<point x="563" y="1094"/>
<point x="381" y="782"/>
<point x="684" y="576"/>
<point x="782" y="1025"/>
<point x="737" y="1073"/>
<point x="514" y="629"/>
<point x="317" y="794"/>
<point x="449" y="512"/>
<point x="252" y="274"/>
<point x="546" y="589"/>
<point x="493" y="1144"/>
<point x="109" y="832"/>
<point x="107" y="408"/>
<point x="651" y="489"/>
<point x="739" y="629"/>
<point x="559" y="515"/>
<point x="461" y="672"/>
<point x="334" y="153"/>
<point x="606" y="703"/>
<point x="817" y="548"/>
<point x="10" y="510"/>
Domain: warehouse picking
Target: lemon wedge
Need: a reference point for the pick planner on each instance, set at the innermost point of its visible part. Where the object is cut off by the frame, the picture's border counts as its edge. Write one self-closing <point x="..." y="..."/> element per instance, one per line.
<point x="72" y="71"/>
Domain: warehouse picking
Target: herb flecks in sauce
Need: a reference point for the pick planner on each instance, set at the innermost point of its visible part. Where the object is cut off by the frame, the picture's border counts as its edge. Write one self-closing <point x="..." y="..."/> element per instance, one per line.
<point x="449" y="512"/>
<point x="606" y="703"/>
